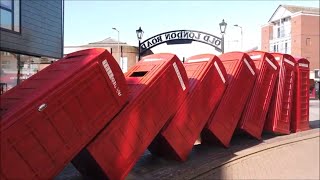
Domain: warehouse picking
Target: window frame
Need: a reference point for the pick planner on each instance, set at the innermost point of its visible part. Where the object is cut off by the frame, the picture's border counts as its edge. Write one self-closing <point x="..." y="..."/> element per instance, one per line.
<point x="8" y="9"/>
<point x="12" y="18"/>
<point x="308" y="42"/>
<point x="286" y="47"/>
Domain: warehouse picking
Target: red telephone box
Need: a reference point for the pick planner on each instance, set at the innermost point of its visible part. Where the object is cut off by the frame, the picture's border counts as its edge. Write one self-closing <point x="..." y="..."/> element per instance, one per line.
<point x="255" y="111"/>
<point x="207" y="79"/>
<point x="300" y="107"/>
<point x="279" y="113"/>
<point x="241" y="78"/>
<point x="158" y="84"/>
<point x="50" y="117"/>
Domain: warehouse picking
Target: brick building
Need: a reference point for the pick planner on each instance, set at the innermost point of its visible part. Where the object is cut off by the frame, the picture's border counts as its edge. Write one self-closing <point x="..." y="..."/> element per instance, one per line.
<point x="294" y="30"/>
<point x="125" y="54"/>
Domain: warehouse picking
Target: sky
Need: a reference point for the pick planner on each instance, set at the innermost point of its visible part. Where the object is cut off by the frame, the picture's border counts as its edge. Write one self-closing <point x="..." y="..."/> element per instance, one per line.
<point x="91" y="21"/>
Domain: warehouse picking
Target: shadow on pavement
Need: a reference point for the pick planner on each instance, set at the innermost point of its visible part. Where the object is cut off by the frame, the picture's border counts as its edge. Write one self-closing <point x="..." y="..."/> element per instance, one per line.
<point x="203" y="159"/>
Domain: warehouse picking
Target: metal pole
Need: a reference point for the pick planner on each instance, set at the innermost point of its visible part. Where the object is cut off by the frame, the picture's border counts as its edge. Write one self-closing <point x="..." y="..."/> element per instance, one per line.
<point x="241" y="40"/>
<point x="18" y="70"/>
<point x="139" y="50"/>
<point x="236" y="25"/>
<point x="119" y="45"/>
<point x="119" y="49"/>
<point x="222" y="44"/>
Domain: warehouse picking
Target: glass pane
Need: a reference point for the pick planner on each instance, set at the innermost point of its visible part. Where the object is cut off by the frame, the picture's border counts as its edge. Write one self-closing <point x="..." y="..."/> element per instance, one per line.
<point x="8" y="67"/>
<point x="16" y="25"/>
<point x="29" y="66"/>
<point x="6" y="4"/>
<point x="6" y="19"/>
<point x="124" y="64"/>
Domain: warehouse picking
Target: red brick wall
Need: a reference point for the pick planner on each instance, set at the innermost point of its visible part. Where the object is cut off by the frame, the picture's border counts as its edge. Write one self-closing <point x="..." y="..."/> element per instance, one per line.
<point x="305" y="38"/>
<point x="266" y="35"/>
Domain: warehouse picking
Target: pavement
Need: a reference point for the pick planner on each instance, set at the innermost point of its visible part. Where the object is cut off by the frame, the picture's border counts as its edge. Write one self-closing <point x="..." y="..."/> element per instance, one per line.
<point x="294" y="156"/>
<point x="290" y="161"/>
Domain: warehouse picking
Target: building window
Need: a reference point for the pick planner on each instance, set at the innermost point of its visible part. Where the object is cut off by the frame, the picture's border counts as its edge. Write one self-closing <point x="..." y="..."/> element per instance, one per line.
<point x="285" y="47"/>
<point x="274" y="48"/>
<point x="124" y="64"/>
<point x="282" y="32"/>
<point x="308" y="42"/>
<point x="16" y="68"/>
<point x="282" y="28"/>
<point x="10" y="15"/>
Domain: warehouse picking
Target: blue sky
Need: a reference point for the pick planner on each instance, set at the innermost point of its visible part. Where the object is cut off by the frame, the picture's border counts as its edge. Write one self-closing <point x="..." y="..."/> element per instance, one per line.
<point x="90" y="21"/>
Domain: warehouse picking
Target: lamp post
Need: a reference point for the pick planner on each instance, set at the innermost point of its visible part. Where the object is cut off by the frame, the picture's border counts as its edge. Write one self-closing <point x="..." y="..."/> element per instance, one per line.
<point x="223" y="26"/>
<point x="139" y="35"/>
<point x="118" y="43"/>
<point x="236" y="25"/>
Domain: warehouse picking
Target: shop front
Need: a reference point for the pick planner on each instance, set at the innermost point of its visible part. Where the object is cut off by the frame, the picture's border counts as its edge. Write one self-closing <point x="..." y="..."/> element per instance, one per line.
<point x="15" y="68"/>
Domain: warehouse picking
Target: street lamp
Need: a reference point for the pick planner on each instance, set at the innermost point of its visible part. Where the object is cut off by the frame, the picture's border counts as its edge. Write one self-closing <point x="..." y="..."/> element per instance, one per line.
<point x="118" y="43"/>
<point x="139" y="35"/>
<point x="236" y="25"/>
<point x="223" y="27"/>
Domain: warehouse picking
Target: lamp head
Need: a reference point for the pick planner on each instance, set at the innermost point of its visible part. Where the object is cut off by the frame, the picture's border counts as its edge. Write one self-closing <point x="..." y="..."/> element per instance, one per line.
<point x="223" y="26"/>
<point x="139" y="33"/>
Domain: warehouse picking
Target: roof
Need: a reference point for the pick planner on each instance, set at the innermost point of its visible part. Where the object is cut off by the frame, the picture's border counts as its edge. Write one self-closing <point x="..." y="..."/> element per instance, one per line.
<point x="106" y="42"/>
<point x="294" y="9"/>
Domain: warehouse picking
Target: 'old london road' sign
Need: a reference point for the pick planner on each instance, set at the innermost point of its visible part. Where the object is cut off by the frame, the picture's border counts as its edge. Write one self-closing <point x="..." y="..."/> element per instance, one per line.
<point x="181" y="37"/>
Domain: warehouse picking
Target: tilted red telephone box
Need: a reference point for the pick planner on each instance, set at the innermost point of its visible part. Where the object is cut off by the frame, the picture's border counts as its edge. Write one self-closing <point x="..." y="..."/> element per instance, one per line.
<point x="50" y="117"/>
<point x="300" y="107"/>
<point x="157" y="87"/>
<point x="207" y="79"/>
<point x="241" y="78"/>
<point x="279" y="113"/>
<point x="255" y="111"/>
